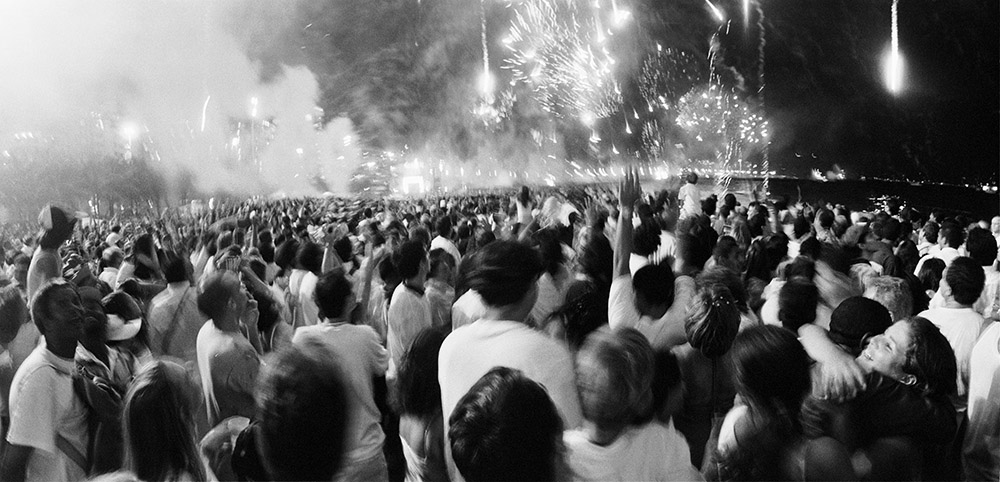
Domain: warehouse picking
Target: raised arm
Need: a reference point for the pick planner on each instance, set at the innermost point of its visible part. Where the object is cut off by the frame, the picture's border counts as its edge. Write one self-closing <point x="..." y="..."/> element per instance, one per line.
<point x="629" y="192"/>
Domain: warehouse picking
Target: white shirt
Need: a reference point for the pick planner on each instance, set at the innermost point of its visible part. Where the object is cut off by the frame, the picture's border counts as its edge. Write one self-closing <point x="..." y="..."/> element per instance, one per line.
<point x="665" y="332"/>
<point x="467" y="309"/>
<point x="961" y="326"/>
<point x="361" y="358"/>
<point x="471" y="351"/>
<point x="409" y="314"/>
<point x="648" y="452"/>
<point x="690" y="200"/>
<point x="165" y="311"/>
<point x="551" y="295"/>
<point x="981" y="452"/>
<point x="308" y="308"/>
<point x="109" y="276"/>
<point x="449" y="247"/>
<point x="43" y="406"/>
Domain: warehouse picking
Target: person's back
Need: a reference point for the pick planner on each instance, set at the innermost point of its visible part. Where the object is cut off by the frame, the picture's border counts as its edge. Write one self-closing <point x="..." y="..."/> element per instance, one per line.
<point x="174" y="318"/>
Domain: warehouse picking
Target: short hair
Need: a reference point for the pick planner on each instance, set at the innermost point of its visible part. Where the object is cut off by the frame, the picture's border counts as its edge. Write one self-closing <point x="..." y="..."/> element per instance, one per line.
<point x="931" y="358"/>
<point x="712" y="321"/>
<point x="41" y="303"/>
<point x="646" y="239"/>
<point x="418" y="388"/>
<point x="953" y="234"/>
<point x="654" y="283"/>
<point x="931" y="231"/>
<point x="408" y="258"/>
<point x="284" y="255"/>
<point x="503" y="272"/>
<point x="931" y="273"/>
<point x="303" y="413"/>
<point x="344" y="249"/>
<point x="505" y="428"/>
<point x="112" y="256"/>
<point x="331" y="295"/>
<point x="692" y="178"/>
<point x="443" y="226"/>
<point x="891" y="230"/>
<point x="13" y="313"/>
<point x="800" y="227"/>
<point x="982" y="246"/>
<point x="725" y="248"/>
<point x="175" y="268"/>
<point x="966" y="279"/>
<point x="892" y="293"/>
<point x="825" y="217"/>
<point x="441" y="257"/>
<point x="614" y="376"/>
<point x="797" y="303"/>
<point x="215" y="292"/>
<point x="310" y="257"/>
<point x="596" y="259"/>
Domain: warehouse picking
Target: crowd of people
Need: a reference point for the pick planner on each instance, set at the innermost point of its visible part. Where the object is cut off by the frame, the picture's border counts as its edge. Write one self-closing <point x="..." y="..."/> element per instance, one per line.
<point x="584" y="334"/>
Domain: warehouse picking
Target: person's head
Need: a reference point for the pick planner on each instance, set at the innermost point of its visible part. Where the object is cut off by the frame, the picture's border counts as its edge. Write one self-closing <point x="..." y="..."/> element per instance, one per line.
<point x="112" y="257"/>
<point x="158" y="427"/>
<point x="175" y="268"/>
<point x="21" y="264"/>
<point x="443" y="227"/>
<point x="891" y="231"/>
<point x="410" y="259"/>
<point x="982" y="246"/>
<point x="728" y="254"/>
<point x="654" y="289"/>
<point x="58" y="312"/>
<point x="57" y="226"/>
<point x="797" y="301"/>
<point x="419" y="392"/>
<point x="712" y="321"/>
<point x="963" y="281"/>
<point x="310" y="257"/>
<point x="771" y="370"/>
<point x="857" y="319"/>
<point x="504" y="273"/>
<point x="550" y="249"/>
<point x="892" y="293"/>
<point x="221" y="296"/>
<point x="284" y="255"/>
<point x="824" y="218"/>
<point x="758" y="263"/>
<point x="930" y="232"/>
<point x="442" y="265"/>
<point x="614" y="374"/>
<point x="691" y="178"/>
<point x="931" y="273"/>
<point x="303" y="413"/>
<point x="731" y="280"/>
<point x="13" y="313"/>
<point x="505" y="428"/>
<point x="344" y="249"/>
<point x="334" y="296"/>
<point x="124" y="316"/>
<point x="914" y="352"/>
<point x="951" y="234"/>
<point x="596" y="258"/>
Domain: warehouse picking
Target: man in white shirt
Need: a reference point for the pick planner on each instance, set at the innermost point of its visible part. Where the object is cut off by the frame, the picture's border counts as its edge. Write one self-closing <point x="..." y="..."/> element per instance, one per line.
<point x="112" y="258"/>
<point x="443" y="238"/>
<point x="505" y="275"/>
<point x="227" y="360"/>
<point x="48" y="421"/>
<point x="950" y="238"/>
<point x="650" y="301"/>
<point x="363" y="363"/>
<point x="174" y="317"/>
<point x="409" y="309"/>
<point x="310" y="260"/>
<point x="958" y="321"/>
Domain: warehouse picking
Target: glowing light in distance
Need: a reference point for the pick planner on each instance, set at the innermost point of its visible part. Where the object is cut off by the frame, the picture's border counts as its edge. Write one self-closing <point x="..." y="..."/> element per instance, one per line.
<point x="588" y="119"/>
<point x="715" y="11"/>
<point x="130" y="130"/>
<point x="253" y="107"/>
<point x="486" y="82"/>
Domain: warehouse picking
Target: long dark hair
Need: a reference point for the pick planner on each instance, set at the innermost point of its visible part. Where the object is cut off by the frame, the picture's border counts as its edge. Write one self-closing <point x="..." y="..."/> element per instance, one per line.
<point x="158" y="424"/>
<point x="419" y="392"/>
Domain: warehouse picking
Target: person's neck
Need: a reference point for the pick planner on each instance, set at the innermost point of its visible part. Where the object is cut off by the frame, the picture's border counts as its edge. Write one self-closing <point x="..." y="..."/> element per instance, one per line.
<point x="178" y="285"/>
<point x="601" y="436"/>
<point x="950" y="302"/>
<point x="228" y="323"/>
<point x="61" y="348"/>
<point x="336" y="321"/>
<point x="657" y="312"/>
<point x="416" y="283"/>
<point x="507" y="313"/>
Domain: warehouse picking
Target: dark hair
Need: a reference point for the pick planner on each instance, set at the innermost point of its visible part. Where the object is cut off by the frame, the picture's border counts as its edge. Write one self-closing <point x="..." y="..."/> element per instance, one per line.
<point x="158" y="424"/>
<point x="284" y="255"/>
<point x="931" y="273"/>
<point x="596" y="260"/>
<point x="41" y="303"/>
<point x="310" y="257"/>
<point x="550" y="249"/>
<point x="800" y="227"/>
<point x="655" y="284"/>
<point x="443" y="226"/>
<point x="417" y="381"/>
<point x="953" y="233"/>
<point x="758" y="264"/>
<point x="771" y="369"/>
<point x="614" y="375"/>
<point x="982" y="246"/>
<point x="966" y="279"/>
<point x="408" y="258"/>
<point x="505" y="428"/>
<point x="13" y="313"/>
<point x="691" y="178"/>
<point x="712" y="321"/>
<point x="825" y="217"/>
<point x="797" y="302"/>
<point x="441" y="257"/>
<point x="503" y="272"/>
<point x="303" y="413"/>
<point x="931" y="358"/>
<point x="331" y="295"/>
<point x="931" y="230"/>
<point x="344" y="249"/>
<point x="175" y="268"/>
<point x="215" y="292"/>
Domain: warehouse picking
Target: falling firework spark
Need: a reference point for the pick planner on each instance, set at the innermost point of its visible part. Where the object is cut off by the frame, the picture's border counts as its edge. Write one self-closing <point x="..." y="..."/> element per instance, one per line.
<point x="894" y="64"/>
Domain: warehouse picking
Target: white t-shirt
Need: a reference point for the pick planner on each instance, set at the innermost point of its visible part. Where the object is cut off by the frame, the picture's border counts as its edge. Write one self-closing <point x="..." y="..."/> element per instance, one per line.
<point x="409" y="314"/>
<point x="981" y="452"/>
<point x="307" y="305"/>
<point x="649" y="452"/>
<point x="471" y="351"/>
<point x="961" y="326"/>
<point x="551" y="295"/>
<point x="666" y="332"/>
<point x="361" y="358"/>
<point x="228" y="365"/>
<point x="690" y="199"/>
<point x="43" y="405"/>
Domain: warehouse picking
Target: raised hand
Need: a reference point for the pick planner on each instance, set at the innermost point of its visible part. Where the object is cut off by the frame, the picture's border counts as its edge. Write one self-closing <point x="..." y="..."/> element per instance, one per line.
<point x="629" y="191"/>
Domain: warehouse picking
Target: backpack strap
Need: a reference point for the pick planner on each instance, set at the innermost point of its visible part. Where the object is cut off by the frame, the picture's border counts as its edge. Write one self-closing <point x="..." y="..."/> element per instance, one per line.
<point x="168" y="336"/>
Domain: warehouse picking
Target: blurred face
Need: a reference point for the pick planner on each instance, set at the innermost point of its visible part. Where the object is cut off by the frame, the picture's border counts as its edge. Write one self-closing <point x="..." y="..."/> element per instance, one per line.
<point x="887" y="353"/>
<point x="995" y="225"/>
<point x="67" y="311"/>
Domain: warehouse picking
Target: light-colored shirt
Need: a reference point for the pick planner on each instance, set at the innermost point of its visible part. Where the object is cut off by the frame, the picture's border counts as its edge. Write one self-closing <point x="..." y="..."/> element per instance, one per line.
<point x="307" y="304"/>
<point x="467" y="309"/>
<point x="448" y="246"/>
<point x="228" y="365"/>
<point x="360" y="358"/>
<point x="665" y="332"/>
<point x="45" y="265"/>
<point x="409" y="314"/>
<point x="43" y="407"/>
<point x="174" y="322"/>
<point x="648" y="452"/>
<point x="981" y="451"/>
<point x="961" y="326"/>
